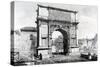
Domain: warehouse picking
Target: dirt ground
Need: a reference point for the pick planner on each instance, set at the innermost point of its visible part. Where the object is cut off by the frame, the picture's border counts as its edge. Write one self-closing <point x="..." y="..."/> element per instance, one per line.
<point x="61" y="59"/>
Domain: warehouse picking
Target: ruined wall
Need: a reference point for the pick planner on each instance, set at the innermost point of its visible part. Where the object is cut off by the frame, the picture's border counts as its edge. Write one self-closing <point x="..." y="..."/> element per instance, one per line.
<point x="22" y="44"/>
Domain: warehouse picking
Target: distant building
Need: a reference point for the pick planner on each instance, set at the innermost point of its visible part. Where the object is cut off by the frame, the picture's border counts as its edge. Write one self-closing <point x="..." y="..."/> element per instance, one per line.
<point x="58" y="44"/>
<point x="88" y="43"/>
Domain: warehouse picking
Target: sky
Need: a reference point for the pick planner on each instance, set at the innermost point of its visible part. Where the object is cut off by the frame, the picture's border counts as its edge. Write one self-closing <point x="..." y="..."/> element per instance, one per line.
<point x="56" y="34"/>
<point x="25" y="15"/>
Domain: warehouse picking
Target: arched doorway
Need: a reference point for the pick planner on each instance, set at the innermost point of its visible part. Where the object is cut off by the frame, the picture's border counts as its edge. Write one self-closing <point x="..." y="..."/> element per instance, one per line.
<point x="59" y="42"/>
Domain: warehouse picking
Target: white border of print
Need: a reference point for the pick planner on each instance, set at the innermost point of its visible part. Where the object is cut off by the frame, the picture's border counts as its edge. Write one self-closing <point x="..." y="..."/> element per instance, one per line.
<point x="5" y="32"/>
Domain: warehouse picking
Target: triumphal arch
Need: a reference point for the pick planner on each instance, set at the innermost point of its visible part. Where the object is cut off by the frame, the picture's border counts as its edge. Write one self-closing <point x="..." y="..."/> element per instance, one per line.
<point x="50" y="19"/>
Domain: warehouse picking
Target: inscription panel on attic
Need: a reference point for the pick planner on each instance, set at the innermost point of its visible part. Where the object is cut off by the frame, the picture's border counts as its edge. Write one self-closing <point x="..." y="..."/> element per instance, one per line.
<point x="59" y="15"/>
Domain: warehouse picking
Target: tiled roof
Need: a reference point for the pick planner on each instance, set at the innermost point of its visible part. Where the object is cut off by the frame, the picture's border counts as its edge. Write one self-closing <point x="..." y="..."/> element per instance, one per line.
<point x="29" y="29"/>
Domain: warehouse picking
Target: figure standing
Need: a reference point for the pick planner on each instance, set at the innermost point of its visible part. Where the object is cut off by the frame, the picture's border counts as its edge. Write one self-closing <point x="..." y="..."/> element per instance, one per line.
<point x="33" y="46"/>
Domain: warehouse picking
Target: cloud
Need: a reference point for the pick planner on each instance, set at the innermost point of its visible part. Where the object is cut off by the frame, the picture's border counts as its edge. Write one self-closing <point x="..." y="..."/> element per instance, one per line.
<point x="87" y="27"/>
<point x="25" y="14"/>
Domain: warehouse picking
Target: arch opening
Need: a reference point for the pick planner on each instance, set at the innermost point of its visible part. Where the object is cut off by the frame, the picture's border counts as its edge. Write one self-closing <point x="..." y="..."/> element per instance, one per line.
<point x="59" y="42"/>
